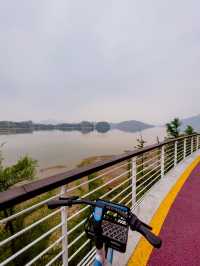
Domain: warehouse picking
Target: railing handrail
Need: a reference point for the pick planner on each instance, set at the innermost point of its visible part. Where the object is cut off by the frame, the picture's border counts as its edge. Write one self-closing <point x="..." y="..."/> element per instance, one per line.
<point x="19" y="194"/>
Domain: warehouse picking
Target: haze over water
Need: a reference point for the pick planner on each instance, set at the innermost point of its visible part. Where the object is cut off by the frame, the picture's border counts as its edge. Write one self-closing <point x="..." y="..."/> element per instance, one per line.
<point x="61" y="148"/>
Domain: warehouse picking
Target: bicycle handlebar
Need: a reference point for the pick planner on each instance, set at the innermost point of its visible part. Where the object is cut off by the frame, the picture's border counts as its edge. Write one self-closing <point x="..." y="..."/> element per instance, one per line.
<point x="134" y="223"/>
<point x="152" y="238"/>
<point x="145" y="230"/>
<point x="53" y="204"/>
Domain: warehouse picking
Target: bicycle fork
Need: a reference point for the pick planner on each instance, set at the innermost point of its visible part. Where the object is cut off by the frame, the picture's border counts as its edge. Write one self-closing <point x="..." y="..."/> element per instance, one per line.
<point x="103" y="259"/>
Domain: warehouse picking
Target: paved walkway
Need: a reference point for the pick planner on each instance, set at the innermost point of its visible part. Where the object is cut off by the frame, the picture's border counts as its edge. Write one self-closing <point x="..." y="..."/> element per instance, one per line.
<point x="181" y="229"/>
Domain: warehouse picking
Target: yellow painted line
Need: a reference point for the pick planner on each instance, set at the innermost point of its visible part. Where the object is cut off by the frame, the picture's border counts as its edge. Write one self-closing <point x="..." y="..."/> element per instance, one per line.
<point x="142" y="252"/>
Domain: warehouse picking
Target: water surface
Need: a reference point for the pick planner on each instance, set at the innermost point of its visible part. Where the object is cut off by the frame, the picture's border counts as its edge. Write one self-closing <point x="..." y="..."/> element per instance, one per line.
<point x="68" y="149"/>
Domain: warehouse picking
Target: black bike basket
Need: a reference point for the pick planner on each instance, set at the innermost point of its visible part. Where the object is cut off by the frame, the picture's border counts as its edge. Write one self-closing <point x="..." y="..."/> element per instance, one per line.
<point x="114" y="232"/>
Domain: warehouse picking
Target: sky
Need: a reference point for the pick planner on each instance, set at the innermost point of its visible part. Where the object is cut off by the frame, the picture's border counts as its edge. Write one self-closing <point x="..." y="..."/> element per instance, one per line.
<point x="74" y="60"/>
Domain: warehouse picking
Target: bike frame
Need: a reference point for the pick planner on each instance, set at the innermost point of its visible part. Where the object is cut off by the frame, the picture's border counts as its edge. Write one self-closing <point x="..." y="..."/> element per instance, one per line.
<point x="103" y="259"/>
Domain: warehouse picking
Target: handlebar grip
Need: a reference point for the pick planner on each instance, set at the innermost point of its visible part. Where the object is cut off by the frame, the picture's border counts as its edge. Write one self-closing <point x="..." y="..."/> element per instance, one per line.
<point x="53" y="204"/>
<point x="151" y="237"/>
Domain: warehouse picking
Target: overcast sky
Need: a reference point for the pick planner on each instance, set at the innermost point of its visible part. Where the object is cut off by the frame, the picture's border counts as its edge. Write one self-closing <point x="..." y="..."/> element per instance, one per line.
<point x="99" y="60"/>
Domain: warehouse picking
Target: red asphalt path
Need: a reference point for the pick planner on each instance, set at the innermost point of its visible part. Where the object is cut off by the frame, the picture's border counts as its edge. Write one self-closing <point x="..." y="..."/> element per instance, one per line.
<point x="181" y="230"/>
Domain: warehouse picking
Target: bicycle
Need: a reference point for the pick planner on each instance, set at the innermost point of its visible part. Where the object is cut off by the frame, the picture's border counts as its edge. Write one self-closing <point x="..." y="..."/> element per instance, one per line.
<point x="108" y="226"/>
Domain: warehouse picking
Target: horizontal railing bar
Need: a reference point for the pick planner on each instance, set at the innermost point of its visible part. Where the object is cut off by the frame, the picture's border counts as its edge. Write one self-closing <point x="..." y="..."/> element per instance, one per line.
<point x="116" y="196"/>
<point x="78" y="250"/>
<point x="19" y="194"/>
<point x="44" y="251"/>
<point x="128" y="195"/>
<point x="91" y="262"/>
<point x="180" y="152"/>
<point x="86" y="259"/>
<point x="148" y="154"/>
<point x="170" y="154"/>
<point x="55" y="258"/>
<point x="7" y="219"/>
<point x="30" y="245"/>
<point x="113" y="189"/>
<point x="77" y="213"/>
<point x="76" y="226"/>
<point x="128" y="202"/>
<point x="28" y="228"/>
<point x="149" y="183"/>
<point x="76" y="239"/>
<point x="104" y="185"/>
<point x="145" y="162"/>
<point x="169" y="160"/>
<point x="180" y="148"/>
<point x="170" y="165"/>
<point x="170" y="150"/>
<point x="180" y="157"/>
<point x="142" y="177"/>
<point x="146" y="179"/>
<point x="95" y="178"/>
<point x="147" y="167"/>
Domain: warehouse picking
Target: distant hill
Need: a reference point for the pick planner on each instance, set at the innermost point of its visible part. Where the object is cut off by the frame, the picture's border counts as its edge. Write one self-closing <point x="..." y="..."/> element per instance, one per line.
<point x="130" y="126"/>
<point x="194" y="121"/>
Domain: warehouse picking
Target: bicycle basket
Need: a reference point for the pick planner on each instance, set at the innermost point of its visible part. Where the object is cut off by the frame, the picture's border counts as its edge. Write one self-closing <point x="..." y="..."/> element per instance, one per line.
<point x="114" y="232"/>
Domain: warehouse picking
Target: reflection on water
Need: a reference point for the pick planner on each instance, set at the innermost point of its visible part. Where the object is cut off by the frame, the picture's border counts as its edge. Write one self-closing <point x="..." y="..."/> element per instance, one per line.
<point x="83" y="130"/>
<point x="68" y="148"/>
<point x="8" y="131"/>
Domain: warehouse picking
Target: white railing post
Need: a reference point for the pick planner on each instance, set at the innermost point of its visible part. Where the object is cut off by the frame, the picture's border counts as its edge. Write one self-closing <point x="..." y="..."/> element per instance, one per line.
<point x="184" y="148"/>
<point x="175" y="153"/>
<point x="197" y="143"/>
<point x="133" y="177"/>
<point x="162" y="161"/>
<point x="64" y="231"/>
<point x="192" y="145"/>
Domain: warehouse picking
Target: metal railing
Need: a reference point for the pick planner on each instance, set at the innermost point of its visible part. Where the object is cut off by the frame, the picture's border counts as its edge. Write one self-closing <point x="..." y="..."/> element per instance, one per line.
<point x="30" y="234"/>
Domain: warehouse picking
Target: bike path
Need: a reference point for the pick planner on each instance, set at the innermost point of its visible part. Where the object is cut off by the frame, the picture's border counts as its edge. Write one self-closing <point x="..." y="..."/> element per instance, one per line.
<point x="178" y="223"/>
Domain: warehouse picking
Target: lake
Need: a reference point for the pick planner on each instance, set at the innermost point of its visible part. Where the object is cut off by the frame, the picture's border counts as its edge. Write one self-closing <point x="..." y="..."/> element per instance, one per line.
<point x="57" y="150"/>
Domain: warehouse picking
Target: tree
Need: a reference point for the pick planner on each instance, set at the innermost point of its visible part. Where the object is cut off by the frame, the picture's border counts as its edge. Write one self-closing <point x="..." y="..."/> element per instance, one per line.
<point x="102" y="127"/>
<point x="173" y="128"/>
<point x="189" y="130"/>
<point x="22" y="171"/>
<point x="141" y="142"/>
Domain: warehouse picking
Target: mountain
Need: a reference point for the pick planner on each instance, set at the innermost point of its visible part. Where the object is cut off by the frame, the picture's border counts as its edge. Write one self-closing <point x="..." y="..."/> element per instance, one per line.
<point x="193" y="121"/>
<point x="130" y="126"/>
